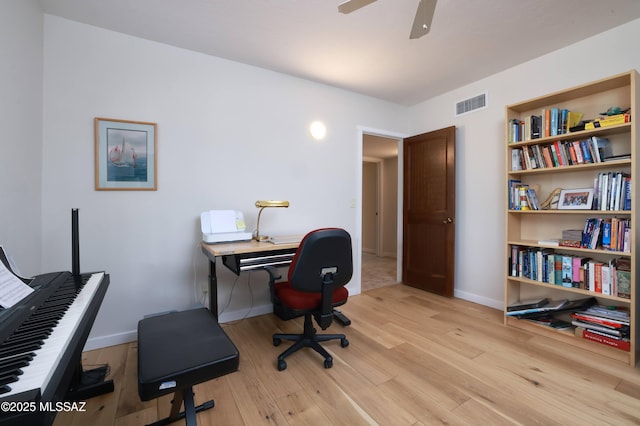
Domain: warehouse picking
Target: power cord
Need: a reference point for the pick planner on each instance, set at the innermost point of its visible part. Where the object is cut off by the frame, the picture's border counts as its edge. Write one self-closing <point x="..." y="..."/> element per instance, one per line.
<point x="230" y="294"/>
<point x="246" y="315"/>
<point x="195" y="274"/>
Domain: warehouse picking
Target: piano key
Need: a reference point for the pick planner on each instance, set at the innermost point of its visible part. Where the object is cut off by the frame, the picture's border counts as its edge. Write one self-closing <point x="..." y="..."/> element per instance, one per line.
<point x="16" y="363"/>
<point x="22" y="348"/>
<point x="27" y="336"/>
<point x="39" y="371"/>
<point x="10" y="378"/>
<point x="38" y="324"/>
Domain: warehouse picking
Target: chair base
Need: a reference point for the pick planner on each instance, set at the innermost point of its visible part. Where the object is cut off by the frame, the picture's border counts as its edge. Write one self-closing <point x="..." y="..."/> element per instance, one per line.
<point x="309" y="339"/>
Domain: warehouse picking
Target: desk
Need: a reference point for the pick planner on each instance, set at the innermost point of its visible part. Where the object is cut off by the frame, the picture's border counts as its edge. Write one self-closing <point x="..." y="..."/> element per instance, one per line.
<point x="244" y="256"/>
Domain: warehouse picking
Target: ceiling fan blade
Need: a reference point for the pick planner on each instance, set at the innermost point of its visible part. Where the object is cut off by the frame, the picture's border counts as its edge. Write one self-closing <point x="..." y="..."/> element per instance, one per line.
<point x="424" y="16"/>
<point x="351" y="5"/>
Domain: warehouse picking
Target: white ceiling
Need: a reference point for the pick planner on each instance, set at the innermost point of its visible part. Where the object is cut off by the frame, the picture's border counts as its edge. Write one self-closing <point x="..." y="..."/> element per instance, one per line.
<point x="367" y="51"/>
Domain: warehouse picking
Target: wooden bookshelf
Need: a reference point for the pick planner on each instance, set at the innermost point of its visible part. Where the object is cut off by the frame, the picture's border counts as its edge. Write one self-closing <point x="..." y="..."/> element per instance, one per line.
<point x="524" y="228"/>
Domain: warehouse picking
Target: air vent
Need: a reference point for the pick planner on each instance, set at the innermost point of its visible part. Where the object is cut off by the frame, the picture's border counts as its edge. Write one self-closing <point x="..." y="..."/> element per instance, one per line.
<point x="471" y="104"/>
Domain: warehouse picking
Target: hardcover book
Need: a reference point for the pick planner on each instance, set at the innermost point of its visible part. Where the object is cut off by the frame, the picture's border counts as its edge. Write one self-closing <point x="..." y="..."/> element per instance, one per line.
<point x="622" y="344"/>
<point x="528" y="304"/>
<point x="548" y="307"/>
<point x="623" y="277"/>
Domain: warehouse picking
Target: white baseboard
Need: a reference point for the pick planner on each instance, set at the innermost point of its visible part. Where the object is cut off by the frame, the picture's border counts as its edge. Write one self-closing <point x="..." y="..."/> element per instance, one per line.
<point x="111" y="340"/>
<point x="255" y="311"/>
<point x="471" y="297"/>
<point x="132" y="336"/>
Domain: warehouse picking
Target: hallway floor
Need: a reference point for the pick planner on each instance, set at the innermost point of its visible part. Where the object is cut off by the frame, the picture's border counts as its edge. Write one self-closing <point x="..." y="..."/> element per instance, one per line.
<point x="377" y="271"/>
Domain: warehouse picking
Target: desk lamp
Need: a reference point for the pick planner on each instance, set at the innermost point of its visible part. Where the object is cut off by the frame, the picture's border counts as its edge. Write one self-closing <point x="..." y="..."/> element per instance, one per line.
<point x="261" y="204"/>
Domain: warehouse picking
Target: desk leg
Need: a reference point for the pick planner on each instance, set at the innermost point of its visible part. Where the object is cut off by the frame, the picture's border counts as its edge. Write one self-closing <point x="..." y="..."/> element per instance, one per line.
<point x="213" y="289"/>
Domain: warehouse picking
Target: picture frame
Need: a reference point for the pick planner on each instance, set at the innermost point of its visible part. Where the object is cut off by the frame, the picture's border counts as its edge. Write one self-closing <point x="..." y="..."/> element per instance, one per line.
<point x="125" y="155"/>
<point x="576" y="199"/>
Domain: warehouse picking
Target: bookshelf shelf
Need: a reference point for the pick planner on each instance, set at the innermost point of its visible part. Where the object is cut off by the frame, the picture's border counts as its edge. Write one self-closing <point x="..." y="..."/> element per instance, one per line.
<point x="534" y="244"/>
<point x="588" y="157"/>
<point x="583" y="293"/>
<point x="582" y="134"/>
<point x="574" y="168"/>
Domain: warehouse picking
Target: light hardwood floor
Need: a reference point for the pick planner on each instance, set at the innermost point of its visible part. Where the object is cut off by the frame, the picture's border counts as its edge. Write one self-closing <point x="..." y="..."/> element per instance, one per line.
<point x="414" y="359"/>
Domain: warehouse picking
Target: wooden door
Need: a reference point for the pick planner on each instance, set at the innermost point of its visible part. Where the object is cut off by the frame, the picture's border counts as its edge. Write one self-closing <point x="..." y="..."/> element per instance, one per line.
<point x="429" y="211"/>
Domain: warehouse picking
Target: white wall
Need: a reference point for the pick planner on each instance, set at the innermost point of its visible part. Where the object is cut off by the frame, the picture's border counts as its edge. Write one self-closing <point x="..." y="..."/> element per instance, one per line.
<point x="228" y="134"/>
<point x="480" y="169"/>
<point x="21" y="71"/>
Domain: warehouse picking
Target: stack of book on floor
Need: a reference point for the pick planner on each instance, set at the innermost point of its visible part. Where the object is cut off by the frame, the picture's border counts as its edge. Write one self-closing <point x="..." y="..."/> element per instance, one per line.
<point x="606" y="325"/>
<point x="546" y="312"/>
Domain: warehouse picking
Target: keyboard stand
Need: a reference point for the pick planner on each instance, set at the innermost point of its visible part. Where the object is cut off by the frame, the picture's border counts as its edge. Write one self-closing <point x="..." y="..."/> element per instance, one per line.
<point x="86" y="384"/>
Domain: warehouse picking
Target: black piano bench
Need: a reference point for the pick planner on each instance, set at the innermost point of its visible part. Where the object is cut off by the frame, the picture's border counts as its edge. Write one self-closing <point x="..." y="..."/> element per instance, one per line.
<point x="178" y="350"/>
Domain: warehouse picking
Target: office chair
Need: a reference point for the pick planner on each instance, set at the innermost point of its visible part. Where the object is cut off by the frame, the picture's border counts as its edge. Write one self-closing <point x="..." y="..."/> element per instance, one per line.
<point x="320" y="269"/>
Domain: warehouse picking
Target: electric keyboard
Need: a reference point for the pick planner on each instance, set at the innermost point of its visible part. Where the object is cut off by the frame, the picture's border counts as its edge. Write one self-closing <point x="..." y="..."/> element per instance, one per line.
<point x="42" y="340"/>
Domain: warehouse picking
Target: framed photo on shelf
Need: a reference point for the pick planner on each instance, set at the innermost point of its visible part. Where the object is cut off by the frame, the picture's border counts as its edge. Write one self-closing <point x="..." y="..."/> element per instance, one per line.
<point x="125" y="155"/>
<point x="576" y="199"/>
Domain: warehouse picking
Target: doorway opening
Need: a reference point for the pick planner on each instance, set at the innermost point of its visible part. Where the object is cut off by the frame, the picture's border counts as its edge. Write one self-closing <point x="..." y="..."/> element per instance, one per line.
<point x="381" y="218"/>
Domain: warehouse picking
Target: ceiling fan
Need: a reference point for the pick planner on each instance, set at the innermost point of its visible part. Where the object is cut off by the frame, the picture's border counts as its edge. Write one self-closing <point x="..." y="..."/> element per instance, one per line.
<point x="421" y="23"/>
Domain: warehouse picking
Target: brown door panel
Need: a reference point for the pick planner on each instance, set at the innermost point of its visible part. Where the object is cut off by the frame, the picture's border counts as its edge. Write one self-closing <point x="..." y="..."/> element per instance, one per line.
<point x="429" y="211"/>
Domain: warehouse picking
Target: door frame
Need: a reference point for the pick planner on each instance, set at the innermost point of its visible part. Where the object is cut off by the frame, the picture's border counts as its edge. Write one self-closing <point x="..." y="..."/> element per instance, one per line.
<point x="399" y="137"/>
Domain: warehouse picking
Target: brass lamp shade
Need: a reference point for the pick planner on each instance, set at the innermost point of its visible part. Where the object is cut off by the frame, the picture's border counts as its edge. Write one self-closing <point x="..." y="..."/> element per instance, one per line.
<point x="261" y="204"/>
<point x="271" y="203"/>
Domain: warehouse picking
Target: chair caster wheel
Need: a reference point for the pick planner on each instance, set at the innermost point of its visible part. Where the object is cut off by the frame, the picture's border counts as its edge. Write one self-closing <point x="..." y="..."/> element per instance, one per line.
<point x="277" y="341"/>
<point x="344" y="342"/>
<point x="282" y="365"/>
<point x="328" y="363"/>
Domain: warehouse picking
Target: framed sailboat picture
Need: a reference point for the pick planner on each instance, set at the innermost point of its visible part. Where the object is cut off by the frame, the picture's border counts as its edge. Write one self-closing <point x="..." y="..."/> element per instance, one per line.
<point x="126" y="155"/>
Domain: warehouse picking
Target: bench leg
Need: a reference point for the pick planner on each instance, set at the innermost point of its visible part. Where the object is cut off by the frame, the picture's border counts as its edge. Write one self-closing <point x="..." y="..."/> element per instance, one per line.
<point x="190" y="410"/>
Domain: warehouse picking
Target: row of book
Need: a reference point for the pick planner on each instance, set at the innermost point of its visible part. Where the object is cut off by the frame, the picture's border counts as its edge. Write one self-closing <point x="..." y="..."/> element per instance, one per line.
<point x="612" y="233"/>
<point x="612" y="191"/>
<point x="521" y="197"/>
<point x="562" y="153"/>
<point x="568" y="270"/>
<point x="603" y="324"/>
<point x="550" y="122"/>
